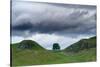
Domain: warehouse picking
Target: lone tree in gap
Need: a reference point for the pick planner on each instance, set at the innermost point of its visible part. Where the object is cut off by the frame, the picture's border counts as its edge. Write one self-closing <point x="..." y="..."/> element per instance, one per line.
<point x="56" y="47"/>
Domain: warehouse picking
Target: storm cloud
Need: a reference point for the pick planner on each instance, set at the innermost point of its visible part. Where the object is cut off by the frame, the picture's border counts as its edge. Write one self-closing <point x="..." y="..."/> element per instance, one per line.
<point x="47" y="18"/>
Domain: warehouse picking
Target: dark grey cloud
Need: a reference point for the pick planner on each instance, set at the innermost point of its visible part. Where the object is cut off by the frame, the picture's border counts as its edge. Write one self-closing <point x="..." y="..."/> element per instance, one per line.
<point x="63" y="19"/>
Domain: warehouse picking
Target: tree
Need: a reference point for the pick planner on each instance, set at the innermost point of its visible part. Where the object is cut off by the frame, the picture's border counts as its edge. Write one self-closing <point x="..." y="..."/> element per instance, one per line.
<point x="56" y="47"/>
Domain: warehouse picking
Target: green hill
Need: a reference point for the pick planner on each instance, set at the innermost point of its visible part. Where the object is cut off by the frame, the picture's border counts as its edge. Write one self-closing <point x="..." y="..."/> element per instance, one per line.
<point x="29" y="52"/>
<point x="27" y="44"/>
<point x="82" y="44"/>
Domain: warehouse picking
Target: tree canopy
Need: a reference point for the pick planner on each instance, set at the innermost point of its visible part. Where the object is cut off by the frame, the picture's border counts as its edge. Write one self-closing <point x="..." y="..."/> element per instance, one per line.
<point x="56" y="47"/>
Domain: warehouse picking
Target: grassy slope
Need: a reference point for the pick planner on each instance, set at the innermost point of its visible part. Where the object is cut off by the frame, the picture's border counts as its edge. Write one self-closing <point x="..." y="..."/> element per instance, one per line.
<point x="82" y="44"/>
<point x="31" y="57"/>
<point x="41" y="56"/>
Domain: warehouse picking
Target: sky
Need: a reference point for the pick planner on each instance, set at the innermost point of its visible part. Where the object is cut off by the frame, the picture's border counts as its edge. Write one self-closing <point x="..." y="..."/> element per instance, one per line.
<point x="48" y="23"/>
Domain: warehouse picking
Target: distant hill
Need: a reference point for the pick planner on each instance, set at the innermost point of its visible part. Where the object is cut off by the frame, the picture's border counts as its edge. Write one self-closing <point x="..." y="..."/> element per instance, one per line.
<point x="82" y="44"/>
<point x="27" y="44"/>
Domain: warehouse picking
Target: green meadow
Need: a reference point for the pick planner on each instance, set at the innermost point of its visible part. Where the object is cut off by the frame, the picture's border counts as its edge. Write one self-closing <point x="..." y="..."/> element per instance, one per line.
<point x="37" y="55"/>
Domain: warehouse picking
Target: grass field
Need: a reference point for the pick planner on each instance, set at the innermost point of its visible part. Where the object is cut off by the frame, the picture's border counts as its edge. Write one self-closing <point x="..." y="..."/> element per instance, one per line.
<point x="31" y="57"/>
<point x="23" y="55"/>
